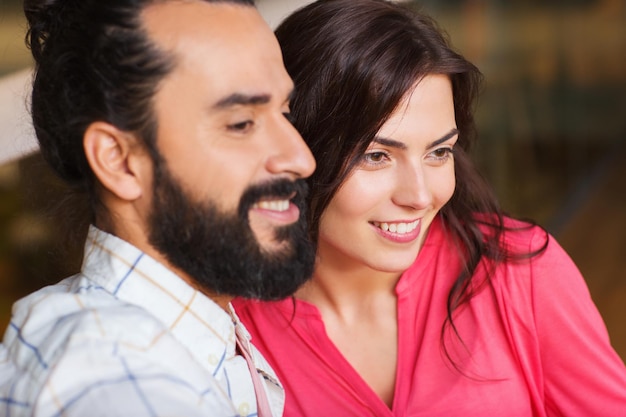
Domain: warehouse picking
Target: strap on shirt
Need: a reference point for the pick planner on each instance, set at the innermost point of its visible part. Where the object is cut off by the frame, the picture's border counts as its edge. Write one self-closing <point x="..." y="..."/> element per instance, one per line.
<point x="263" y="406"/>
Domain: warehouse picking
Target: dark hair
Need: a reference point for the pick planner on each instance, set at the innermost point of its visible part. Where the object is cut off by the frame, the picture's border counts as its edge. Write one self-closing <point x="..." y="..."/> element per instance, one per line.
<point x="352" y="62"/>
<point x="93" y="62"/>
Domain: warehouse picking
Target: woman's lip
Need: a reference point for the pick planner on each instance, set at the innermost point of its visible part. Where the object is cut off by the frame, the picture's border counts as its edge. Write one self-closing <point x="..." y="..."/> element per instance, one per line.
<point x="398" y="226"/>
<point x="398" y="231"/>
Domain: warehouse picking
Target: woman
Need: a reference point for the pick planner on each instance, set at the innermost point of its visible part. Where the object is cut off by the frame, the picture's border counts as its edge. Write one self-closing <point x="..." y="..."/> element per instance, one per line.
<point x="425" y="300"/>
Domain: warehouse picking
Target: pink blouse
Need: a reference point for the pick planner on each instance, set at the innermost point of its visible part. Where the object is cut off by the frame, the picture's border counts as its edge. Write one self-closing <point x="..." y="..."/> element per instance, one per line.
<point x="533" y="344"/>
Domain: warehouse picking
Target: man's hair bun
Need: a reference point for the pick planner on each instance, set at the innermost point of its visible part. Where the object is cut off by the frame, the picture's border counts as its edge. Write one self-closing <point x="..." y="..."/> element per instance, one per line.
<point x="44" y="18"/>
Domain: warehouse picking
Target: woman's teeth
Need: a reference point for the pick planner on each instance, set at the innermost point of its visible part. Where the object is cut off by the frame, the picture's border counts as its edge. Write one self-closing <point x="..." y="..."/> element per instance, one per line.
<point x="400" y="228"/>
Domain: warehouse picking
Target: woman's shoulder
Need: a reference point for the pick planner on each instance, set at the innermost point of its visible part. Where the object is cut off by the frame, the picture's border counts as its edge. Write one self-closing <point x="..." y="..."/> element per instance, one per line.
<point x="517" y="235"/>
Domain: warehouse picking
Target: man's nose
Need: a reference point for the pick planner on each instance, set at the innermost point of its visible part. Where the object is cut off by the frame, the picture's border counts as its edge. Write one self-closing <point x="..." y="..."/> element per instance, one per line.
<point x="289" y="152"/>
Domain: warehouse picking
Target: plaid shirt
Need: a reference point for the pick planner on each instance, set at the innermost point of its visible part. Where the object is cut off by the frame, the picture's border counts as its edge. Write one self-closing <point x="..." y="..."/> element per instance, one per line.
<point x="126" y="337"/>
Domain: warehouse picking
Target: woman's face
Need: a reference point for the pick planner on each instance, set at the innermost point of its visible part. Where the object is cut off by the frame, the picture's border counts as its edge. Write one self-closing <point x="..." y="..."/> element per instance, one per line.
<point x="381" y="213"/>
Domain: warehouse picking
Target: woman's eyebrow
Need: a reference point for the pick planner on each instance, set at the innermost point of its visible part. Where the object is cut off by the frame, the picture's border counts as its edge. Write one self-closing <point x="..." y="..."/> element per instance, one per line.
<point x="389" y="142"/>
<point x="452" y="133"/>
<point x="401" y="145"/>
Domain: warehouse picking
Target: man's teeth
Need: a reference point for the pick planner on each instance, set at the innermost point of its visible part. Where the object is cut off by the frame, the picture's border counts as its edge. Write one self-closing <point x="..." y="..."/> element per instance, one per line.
<point x="274" y="205"/>
<point x="400" y="228"/>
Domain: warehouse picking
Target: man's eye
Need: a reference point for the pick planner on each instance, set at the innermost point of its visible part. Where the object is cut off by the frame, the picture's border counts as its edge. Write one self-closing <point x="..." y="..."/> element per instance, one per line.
<point x="241" y="126"/>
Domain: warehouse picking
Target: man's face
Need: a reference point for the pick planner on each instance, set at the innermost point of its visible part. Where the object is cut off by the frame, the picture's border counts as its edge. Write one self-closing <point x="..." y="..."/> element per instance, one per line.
<point x="229" y="156"/>
<point x="218" y="249"/>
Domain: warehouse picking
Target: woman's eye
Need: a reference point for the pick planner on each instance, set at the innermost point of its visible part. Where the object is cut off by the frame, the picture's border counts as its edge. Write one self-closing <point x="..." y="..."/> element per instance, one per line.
<point x="375" y="157"/>
<point x="441" y="154"/>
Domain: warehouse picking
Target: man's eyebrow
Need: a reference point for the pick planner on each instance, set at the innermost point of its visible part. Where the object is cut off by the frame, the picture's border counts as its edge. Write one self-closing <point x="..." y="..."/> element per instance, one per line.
<point x="238" y="99"/>
<point x="401" y="145"/>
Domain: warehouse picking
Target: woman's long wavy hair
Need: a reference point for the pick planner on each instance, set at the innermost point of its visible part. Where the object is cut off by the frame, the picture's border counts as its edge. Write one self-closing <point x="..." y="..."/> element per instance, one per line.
<point x="352" y="62"/>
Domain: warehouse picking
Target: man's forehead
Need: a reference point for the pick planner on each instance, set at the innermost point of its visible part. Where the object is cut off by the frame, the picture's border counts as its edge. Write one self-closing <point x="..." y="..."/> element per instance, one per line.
<point x="225" y="24"/>
<point x="228" y="50"/>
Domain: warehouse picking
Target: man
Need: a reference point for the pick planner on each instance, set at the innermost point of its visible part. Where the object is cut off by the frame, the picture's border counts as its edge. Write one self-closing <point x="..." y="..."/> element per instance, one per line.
<point x="172" y="116"/>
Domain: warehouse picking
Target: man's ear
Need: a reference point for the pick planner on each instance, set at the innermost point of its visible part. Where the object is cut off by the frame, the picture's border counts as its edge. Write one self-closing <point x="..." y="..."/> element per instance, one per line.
<point x="116" y="159"/>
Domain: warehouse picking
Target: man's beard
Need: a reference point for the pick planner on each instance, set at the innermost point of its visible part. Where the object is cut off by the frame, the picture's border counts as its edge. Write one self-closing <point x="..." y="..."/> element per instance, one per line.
<point x="219" y="250"/>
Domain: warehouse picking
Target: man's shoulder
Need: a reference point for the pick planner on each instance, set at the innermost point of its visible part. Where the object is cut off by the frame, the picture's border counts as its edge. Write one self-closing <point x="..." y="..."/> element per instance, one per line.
<point x="78" y="339"/>
<point x="59" y="317"/>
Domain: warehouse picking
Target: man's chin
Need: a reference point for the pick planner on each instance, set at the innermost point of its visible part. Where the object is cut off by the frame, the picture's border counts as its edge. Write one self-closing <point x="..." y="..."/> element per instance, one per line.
<point x="276" y="249"/>
<point x="272" y="241"/>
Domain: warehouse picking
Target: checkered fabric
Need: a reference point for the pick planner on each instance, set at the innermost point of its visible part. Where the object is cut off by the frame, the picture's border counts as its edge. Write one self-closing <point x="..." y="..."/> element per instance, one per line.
<point x="126" y="337"/>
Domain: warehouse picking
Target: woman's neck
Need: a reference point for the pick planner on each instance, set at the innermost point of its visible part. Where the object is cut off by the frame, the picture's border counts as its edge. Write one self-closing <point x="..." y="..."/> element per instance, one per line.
<point x="348" y="290"/>
<point x="358" y="306"/>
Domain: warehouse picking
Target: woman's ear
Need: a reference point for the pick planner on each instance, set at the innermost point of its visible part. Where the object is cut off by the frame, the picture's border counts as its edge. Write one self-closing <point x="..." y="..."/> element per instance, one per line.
<point x="117" y="160"/>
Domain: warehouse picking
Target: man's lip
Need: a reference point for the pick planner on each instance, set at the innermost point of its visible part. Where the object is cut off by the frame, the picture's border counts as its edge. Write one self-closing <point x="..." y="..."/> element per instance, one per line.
<point x="279" y="212"/>
<point x="274" y="203"/>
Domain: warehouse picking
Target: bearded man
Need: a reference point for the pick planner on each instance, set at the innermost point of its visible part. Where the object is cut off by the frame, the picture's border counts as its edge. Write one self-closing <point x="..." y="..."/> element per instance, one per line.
<point x="172" y="117"/>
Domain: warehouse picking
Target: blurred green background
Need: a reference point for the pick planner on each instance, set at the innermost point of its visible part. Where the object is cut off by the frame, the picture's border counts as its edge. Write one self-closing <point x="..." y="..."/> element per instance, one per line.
<point x="552" y="130"/>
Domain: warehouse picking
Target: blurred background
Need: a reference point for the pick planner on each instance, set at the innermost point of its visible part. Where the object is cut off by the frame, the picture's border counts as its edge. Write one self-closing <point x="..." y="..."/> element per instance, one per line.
<point x="552" y="125"/>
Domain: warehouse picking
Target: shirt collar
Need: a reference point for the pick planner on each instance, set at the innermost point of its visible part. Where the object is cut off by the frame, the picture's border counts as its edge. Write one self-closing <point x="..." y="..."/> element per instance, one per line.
<point x="134" y="277"/>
